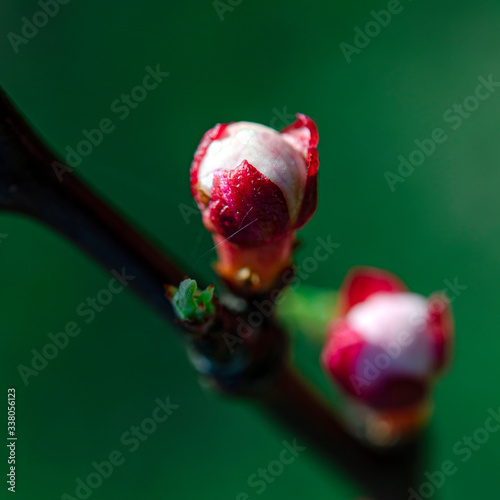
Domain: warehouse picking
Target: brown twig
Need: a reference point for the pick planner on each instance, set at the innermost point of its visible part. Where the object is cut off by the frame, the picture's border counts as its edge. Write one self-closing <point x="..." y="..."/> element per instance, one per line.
<point x="384" y="476"/>
<point x="30" y="185"/>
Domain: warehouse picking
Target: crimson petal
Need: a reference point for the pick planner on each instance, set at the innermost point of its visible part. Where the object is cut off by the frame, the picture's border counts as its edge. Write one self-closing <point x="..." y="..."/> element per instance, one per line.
<point x="340" y="355"/>
<point x="246" y="207"/>
<point x="361" y="282"/>
<point x="440" y="324"/>
<point x="305" y="135"/>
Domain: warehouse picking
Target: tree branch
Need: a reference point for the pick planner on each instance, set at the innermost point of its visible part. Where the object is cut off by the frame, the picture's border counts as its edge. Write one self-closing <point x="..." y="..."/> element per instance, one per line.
<point x="29" y="185"/>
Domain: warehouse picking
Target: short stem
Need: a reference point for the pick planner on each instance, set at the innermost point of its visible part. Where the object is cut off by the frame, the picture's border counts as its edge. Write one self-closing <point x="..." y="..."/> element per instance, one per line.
<point x="253" y="271"/>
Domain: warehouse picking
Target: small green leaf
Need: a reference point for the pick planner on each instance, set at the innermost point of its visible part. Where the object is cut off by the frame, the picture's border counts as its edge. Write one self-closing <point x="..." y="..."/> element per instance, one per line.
<point x="190" y="303"/>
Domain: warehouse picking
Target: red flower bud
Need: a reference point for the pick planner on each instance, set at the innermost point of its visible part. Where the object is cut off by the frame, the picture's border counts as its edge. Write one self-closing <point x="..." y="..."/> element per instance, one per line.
<point x="388" y="346"/>
<point x="255" y="187"/>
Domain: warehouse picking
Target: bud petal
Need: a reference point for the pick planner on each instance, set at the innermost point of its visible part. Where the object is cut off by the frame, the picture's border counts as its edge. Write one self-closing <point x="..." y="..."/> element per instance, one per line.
<point x="304" y="134"/>
<point x="341" y="353"/>
<point x="361" y="282"/>
<point x="211" y="135"/>
<point x="246" y="207"/>
<point x="440" y="324"/>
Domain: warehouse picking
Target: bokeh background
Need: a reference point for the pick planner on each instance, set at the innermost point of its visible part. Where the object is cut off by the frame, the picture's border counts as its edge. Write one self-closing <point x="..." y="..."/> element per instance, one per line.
<point x="262" y="62"/>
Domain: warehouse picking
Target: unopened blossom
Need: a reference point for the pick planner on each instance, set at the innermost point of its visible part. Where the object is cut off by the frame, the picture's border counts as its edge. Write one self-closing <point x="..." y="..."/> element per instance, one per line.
<point x="388" y="346"/>
<point x="255" y="187"/>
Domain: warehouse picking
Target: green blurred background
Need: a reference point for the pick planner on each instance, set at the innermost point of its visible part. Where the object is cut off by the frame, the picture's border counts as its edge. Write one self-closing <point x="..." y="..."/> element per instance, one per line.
<point x="262" y="62"/>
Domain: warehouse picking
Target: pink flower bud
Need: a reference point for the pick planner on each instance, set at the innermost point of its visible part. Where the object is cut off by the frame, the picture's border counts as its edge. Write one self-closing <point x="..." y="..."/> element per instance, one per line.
<point x="388" y="346"/>
<point x="255" y="187"/>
